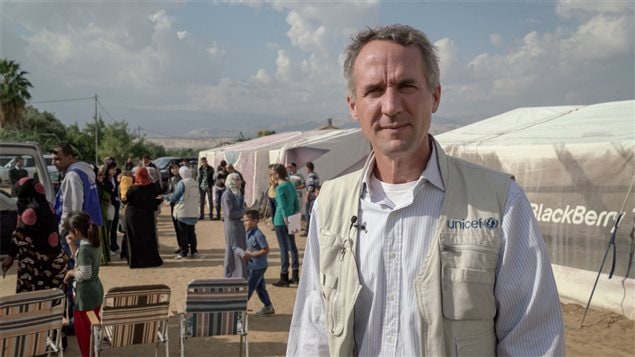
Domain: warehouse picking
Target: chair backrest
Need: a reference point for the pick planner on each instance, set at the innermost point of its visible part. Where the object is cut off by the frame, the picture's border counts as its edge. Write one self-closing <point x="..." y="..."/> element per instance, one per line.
<point x="215" y="306"/>
<point x="26" y="319"/>
<point x="133" y="314"/>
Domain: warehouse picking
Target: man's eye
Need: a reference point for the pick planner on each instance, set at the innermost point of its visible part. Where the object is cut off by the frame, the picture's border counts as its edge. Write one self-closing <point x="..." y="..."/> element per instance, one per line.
<point x="373" y="92"/>
<point x="408" y="86"/>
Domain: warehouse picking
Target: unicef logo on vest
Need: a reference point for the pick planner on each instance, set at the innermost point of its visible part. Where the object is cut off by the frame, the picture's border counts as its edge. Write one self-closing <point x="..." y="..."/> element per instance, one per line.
<point x="487" y="223"/>
<point x="491" y="223"/>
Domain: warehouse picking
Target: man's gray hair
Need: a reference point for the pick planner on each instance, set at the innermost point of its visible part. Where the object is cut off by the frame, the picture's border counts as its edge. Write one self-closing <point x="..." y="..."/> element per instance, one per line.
<point x="401" y="34"/>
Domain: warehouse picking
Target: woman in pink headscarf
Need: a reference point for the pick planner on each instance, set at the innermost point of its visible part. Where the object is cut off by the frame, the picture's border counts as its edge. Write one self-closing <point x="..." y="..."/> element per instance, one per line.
<point x="139" y="222"/>
<point x="36" y="246"/>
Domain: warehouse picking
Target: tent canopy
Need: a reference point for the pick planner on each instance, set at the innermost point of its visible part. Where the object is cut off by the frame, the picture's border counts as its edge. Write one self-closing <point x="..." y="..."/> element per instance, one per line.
<point x="333" y="152"/>
<point x="576" y="164"/>
<point x="603" y="122"/>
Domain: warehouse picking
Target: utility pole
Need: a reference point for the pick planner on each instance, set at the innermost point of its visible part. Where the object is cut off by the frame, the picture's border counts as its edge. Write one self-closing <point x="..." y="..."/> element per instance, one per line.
<point x="96" y="133"/>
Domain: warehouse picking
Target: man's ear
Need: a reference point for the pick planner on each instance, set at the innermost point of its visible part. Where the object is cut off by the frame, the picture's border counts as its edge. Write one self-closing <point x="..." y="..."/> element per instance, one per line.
<point x="352" y="108"/>
<point x="437" y="98"/>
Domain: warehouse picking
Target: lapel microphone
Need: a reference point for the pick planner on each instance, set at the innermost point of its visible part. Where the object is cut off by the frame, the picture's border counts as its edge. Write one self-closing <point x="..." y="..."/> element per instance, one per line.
<point x="354" y="223"/>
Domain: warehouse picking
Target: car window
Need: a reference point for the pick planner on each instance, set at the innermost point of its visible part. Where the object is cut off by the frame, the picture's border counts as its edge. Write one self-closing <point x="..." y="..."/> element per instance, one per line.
<point x="5" y="160"/>
<point x="10" y="174"/>
<point x="162" y="162"/>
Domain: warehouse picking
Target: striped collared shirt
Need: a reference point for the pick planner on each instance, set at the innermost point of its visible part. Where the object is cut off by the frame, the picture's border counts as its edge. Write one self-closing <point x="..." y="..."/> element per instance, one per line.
<point x="393" y="242"/>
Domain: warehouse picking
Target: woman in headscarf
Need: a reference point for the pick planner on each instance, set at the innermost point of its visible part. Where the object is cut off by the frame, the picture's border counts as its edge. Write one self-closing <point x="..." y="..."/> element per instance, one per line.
<point x="233" y="207"/>
<point x="105" y="192"/>
<point x="174" y="179"/>
<point x="139" y="222"/>
<point x="185" y="199"/>
<point x="42" y="263"/>
<point x="126" y="180"/>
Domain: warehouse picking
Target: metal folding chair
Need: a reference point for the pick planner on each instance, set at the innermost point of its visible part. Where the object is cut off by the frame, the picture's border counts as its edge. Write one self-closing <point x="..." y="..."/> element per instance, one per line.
<point x="31" y="323"/>
<point x="215" y="307"/>
<point x="132" y="315"/>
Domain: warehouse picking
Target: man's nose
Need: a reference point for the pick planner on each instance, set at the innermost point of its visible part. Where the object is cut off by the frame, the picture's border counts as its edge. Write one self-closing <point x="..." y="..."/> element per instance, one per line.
<point x="391" y="102"/>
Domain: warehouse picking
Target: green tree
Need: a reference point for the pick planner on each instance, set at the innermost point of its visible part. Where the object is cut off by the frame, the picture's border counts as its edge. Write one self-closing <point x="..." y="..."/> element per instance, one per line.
<point x="119" y="143"/>
<point x="14" y="93"/>
<point x="265" y="132"/>
<point x="82" y="141"/>
<point x="182" y="152"/>
<point x="39" y="127"/>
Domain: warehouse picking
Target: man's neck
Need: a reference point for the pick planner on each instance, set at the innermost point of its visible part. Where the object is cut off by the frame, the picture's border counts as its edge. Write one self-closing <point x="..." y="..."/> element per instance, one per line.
<point x="395" y="170"/>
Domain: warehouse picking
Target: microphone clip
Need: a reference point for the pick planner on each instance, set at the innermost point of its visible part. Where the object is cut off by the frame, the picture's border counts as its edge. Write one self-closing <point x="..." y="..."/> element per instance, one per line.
<point x="358" y="226"/>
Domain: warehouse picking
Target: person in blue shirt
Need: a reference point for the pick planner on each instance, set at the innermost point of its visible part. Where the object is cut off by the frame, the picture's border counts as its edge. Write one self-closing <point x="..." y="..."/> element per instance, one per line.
<point x="256" y="257"/>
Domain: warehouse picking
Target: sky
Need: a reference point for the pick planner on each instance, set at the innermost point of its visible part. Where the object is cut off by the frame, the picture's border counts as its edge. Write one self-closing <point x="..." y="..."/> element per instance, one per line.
<point x="176" y="67"/>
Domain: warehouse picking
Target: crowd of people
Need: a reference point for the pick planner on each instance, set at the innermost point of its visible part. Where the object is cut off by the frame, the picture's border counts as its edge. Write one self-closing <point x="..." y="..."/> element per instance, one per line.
<point x="108" y="210"/>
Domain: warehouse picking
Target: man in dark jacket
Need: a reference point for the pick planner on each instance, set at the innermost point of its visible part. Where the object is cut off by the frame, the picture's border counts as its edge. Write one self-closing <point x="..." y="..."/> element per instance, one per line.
<point x="205" y="179"/>
<point x="219" y="183"/>
<point x="16" y="173"/>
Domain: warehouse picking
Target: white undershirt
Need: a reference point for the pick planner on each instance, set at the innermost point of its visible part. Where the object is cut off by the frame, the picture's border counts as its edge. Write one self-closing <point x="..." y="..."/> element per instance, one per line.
<point x="399" y="194"/>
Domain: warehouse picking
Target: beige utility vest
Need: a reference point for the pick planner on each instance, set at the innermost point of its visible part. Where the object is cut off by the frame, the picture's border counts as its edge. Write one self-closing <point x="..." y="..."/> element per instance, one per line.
<point x="188" y="205"/>
<point x="455" y="287"/>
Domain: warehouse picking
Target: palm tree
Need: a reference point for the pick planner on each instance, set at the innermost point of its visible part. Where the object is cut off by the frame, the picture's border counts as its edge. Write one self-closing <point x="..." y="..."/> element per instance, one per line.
<point x="14" y="92"/>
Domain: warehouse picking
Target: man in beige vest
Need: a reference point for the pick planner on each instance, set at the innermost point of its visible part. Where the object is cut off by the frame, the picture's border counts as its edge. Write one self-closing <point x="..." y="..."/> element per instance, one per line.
<point x="419" y="253"/>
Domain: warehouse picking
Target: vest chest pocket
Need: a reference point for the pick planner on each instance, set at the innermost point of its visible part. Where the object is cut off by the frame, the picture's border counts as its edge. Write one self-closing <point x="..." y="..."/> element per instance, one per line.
<point x="332" y="252"/>
<point x="468" y="273"/>
<point x="330" y="294"/>
<point x="468" y="294"/>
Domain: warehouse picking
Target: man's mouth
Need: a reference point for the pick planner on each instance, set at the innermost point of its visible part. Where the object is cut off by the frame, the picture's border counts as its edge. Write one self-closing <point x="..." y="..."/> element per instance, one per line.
<point x="394" y="127"/>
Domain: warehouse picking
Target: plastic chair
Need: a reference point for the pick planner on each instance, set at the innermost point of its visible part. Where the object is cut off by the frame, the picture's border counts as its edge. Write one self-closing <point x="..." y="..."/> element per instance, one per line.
<point x="215" y="307"/>
<point x="31" y="323"/>
<point x="132" y="315"/>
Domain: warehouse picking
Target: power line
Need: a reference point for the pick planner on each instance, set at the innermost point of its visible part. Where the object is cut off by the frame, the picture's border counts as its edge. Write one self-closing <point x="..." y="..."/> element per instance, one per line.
<point x="104" y="109"/>
<point x="62" y="100"/>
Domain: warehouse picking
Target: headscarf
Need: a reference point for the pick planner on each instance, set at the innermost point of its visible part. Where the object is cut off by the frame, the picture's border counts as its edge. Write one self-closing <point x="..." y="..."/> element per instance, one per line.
<point x="142" y="178"/>
<point x="232" y="183"/>
<point x="185" y="172"/>
<point x="36" y="218"/>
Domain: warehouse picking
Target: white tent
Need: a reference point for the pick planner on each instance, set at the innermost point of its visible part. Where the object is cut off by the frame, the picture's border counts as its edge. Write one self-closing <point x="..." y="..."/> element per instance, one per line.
<point x="333" y="152"/>
<point x="576" y="165"/>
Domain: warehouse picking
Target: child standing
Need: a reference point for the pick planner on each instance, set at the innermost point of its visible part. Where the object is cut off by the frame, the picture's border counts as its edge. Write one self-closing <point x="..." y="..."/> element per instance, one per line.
<point x="256" y="258"/>
<point x="89" y="291"/>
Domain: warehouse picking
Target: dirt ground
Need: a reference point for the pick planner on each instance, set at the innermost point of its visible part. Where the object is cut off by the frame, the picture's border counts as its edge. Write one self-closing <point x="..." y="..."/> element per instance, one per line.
<point x="603" y="333"/>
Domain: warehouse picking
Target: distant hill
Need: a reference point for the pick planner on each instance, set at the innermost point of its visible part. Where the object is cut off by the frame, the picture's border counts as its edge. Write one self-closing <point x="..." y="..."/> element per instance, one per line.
<point x="190" y="143"/>
<point x="205" y="138"/>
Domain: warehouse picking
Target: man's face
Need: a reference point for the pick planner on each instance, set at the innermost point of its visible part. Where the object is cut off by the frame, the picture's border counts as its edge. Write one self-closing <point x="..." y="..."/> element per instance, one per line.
<point x="146" y="161"/>
<point x="204" y="162"/>
<point x="19" y="163"/>
<point x="60" y="160"/>
<point x="392" y="100"/>
<point x="291" y="169"/>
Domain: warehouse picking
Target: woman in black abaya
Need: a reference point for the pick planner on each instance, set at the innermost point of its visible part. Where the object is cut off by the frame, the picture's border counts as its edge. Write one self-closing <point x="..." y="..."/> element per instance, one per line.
<point x="140" y="223"/>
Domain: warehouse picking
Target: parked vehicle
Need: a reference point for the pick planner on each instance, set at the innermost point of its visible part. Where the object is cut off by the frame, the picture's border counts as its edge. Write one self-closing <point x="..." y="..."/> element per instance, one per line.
<point x="36" y="166"/>
<point x="163" y="163"/>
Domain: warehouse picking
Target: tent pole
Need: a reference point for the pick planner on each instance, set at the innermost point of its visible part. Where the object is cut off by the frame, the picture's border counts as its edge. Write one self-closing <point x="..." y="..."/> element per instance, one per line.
<point x="611" y="243"/>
